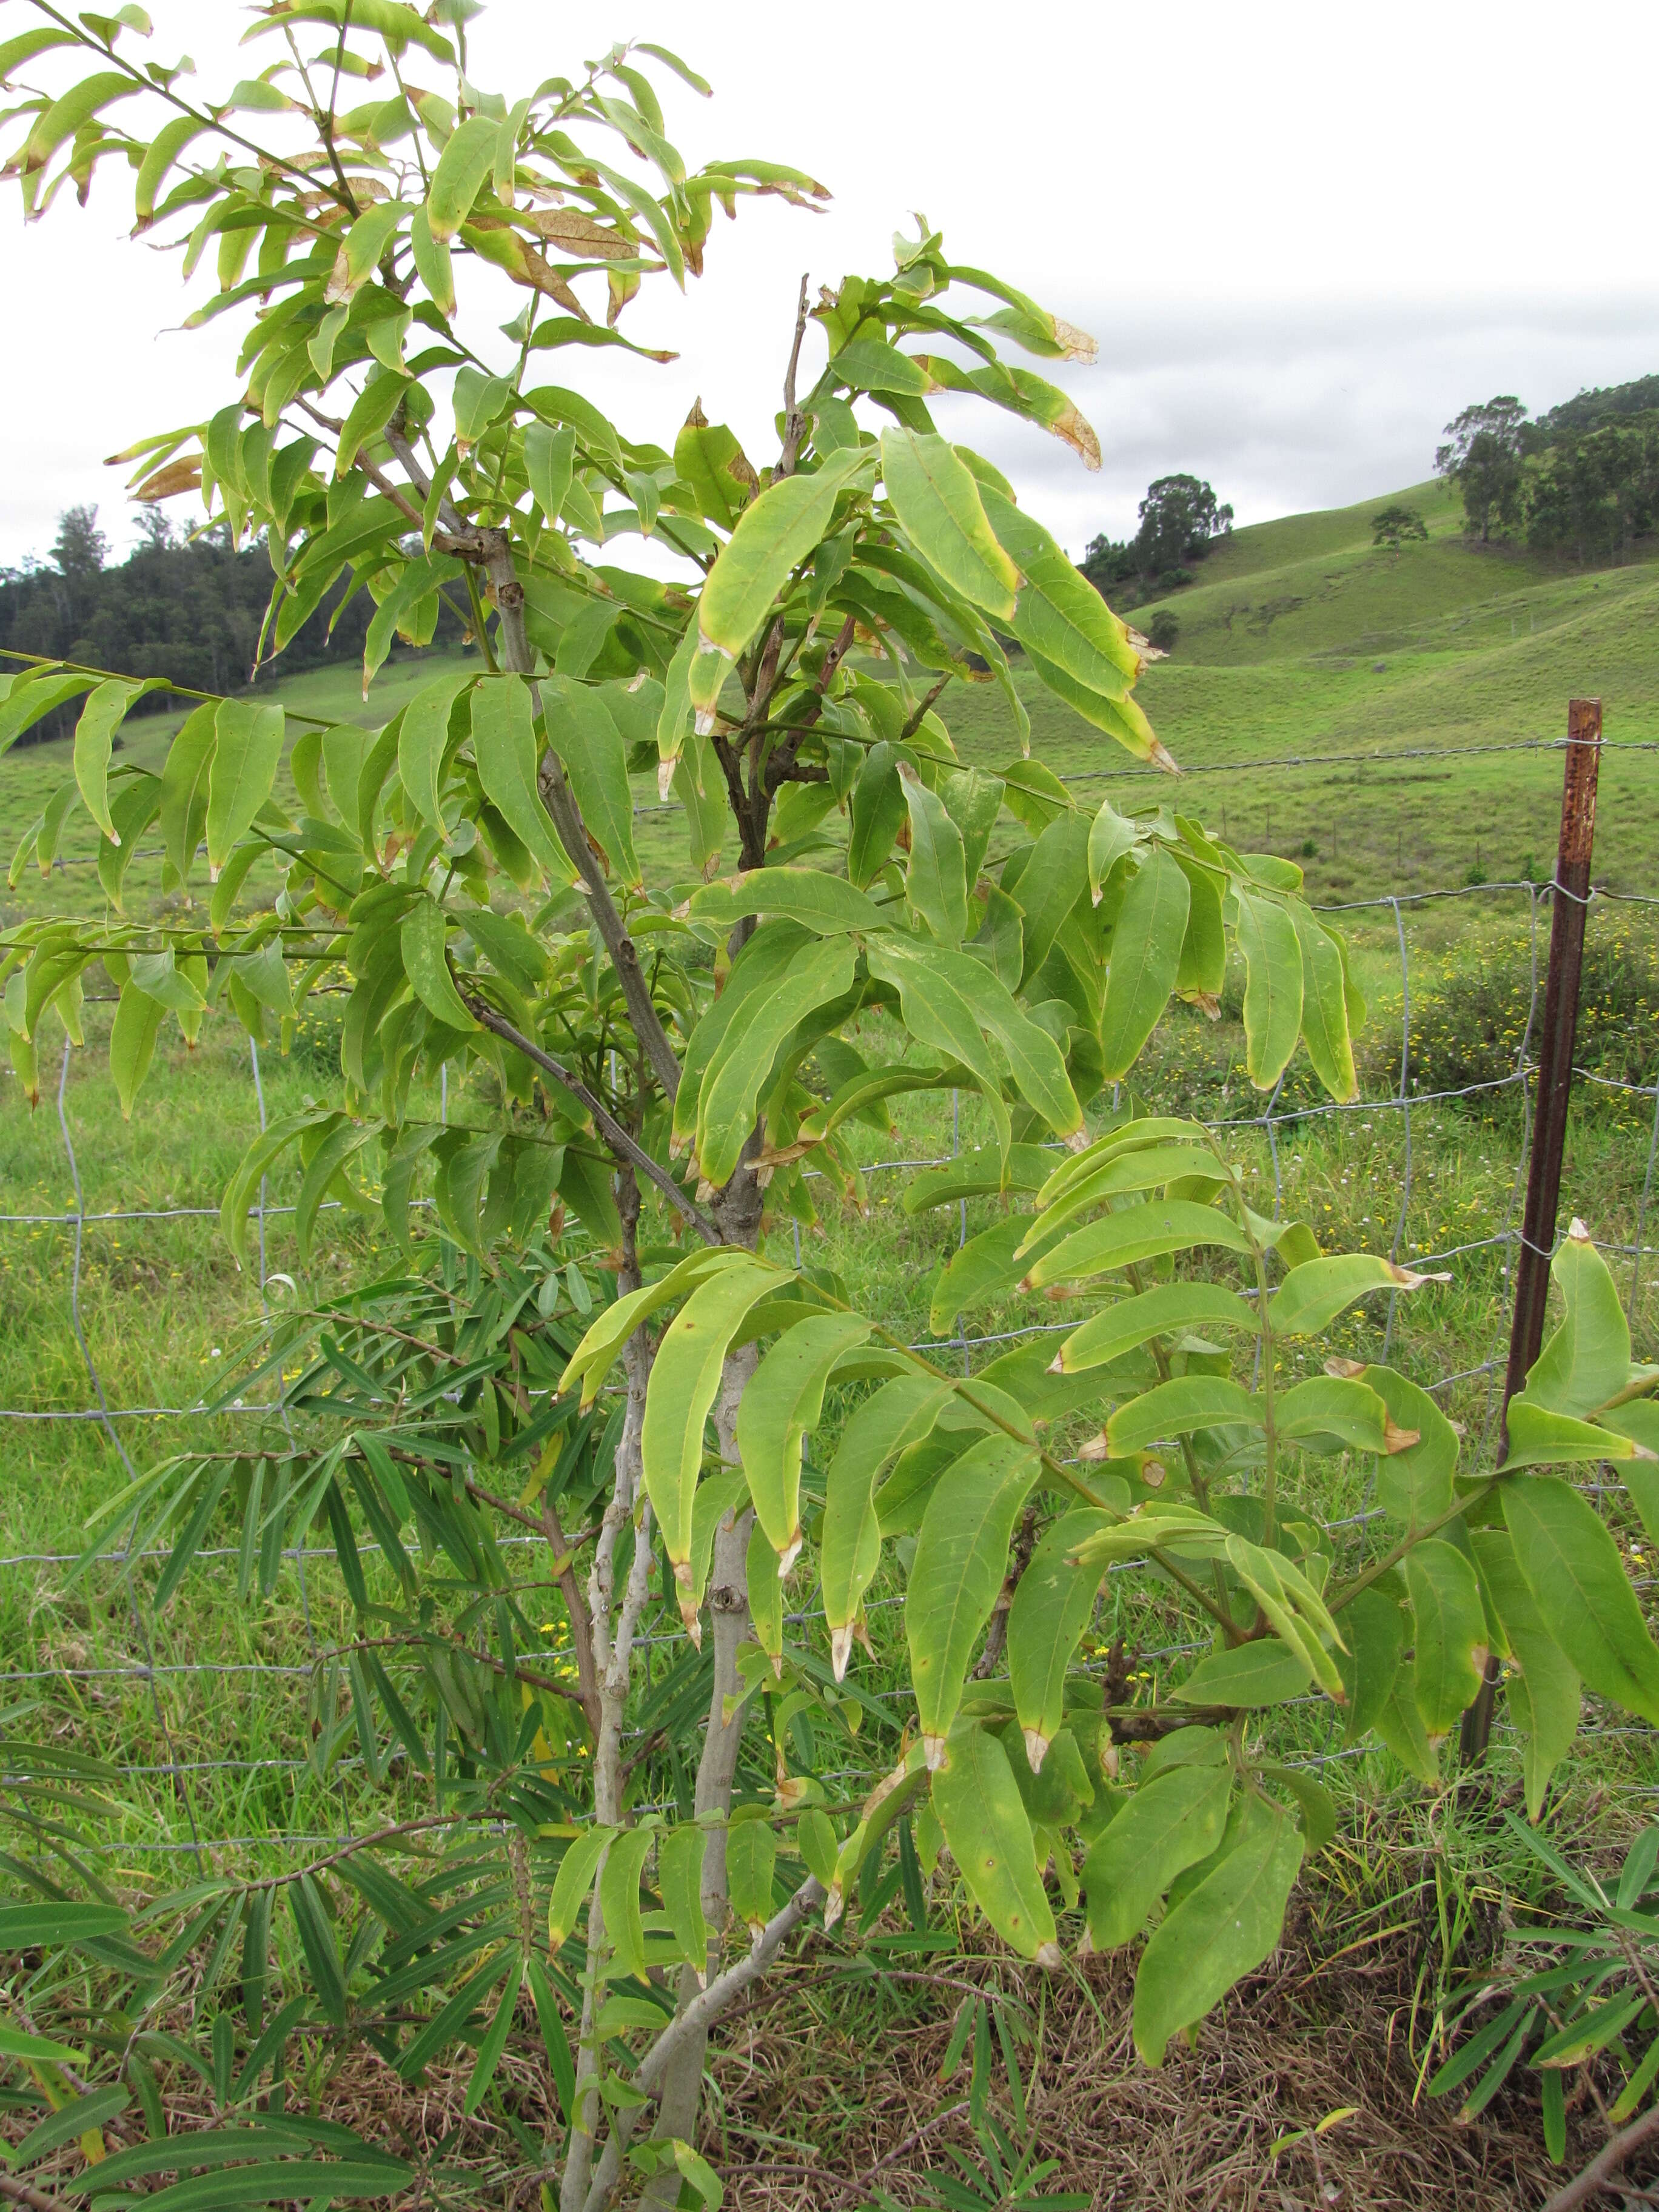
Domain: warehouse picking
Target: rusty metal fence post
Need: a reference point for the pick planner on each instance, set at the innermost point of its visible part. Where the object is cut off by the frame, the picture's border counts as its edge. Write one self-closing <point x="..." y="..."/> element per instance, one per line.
<point x="1555" y="1049"/>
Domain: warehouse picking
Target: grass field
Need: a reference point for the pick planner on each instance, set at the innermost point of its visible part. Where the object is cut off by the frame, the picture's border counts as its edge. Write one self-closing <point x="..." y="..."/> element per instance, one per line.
<point x="1278" y="656"/>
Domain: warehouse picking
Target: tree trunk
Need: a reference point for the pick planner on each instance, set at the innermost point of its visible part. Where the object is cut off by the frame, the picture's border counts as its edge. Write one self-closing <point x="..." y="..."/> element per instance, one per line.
<point x="738" y="1213"/>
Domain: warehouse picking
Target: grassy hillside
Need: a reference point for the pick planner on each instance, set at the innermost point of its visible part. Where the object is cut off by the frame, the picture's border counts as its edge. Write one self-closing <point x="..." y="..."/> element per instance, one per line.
<point x="1298" y="638"/>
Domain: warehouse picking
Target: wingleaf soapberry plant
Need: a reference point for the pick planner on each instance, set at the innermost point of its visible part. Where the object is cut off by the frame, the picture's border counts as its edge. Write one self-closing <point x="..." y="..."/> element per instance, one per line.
<point x="607" y="1343"/>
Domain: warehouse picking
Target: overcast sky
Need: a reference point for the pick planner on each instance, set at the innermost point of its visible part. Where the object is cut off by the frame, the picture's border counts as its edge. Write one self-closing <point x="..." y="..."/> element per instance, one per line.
<point x="1304" y="235"/>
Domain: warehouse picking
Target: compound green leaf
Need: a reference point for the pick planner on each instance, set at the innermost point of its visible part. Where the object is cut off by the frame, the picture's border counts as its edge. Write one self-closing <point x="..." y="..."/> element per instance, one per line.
<point x="468" y="158"/>
<point x="937" y="501"/>
<point x="1052" y="1606"/>
<point x="827" y="905"/>
<point x="1324" y="1006"/>
<point x="1311" y="1296"/>
<point x="1272" y="987"/>
<point x="184" y="788"/>
<point x="783" y="1400"/>
<point x="680" y="1853"/>
<point x="961" y="1561"/>
<point x="1264" y="1671"/>
<point x="1538" y="1438"/>
<point x="774" y="533"/>
<point x="1586" y="1360"/>
<point x="580" y="730"/>
<point x="897" y="1414"/>
<point x="1171" y="1309"/>
<point x="1374" y="1629"/>
<point x="751" y="1850"/>
<point x="1177" y="1408"/>
<point x="94" y="739"/>
<point x="1218" y="1932"/>
<point x="422" y="939"/>
<point x="423" y="740"/>
<point x="1145" y="957"/>
<point x="591" y="1360"/>
<point x="1415" y="1485"/>
<point x="248" y="745"/>
<point x="573" y="1883"/>
<point x="1173" y="1821"/>
<point x="820" y="972"/>
<point x="132" y="1037"/>
<point x="504" y="748"/>
<point x="685" y="1377"/>
<point x="989" y="1833"/>
<point x="619" y="1900"/>
<point x="550" y="460"/>
<point x="1450" y="1633"/>
<point x="1059" y="614"/>
<point x="1140" y="1232"/>
<point x="1330" y="1413"/>
<point x="1540" y="1681"/>
<point x="1571" y="1565"/>
<point x="878" y="809"/>
<point x="935" y="879"/>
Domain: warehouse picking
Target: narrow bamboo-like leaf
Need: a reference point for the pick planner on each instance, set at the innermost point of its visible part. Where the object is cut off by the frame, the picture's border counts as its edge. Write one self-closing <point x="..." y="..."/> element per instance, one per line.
<point x="937" y="501"/>
<point x="316" y="1933"/>
<point x="1172" y="1822"/>
<point x="989" y="1833"/>
<point x="1218" y="1932"/>
<point x="1571" y="1565"/>
<point x="774" y="533"/>
<point x="961" y="1558"/>
<point x="1272" y="987"/>
<point x="247" y="745"/>
<point x="684" y="1378"/>
<point x="1450" y="1633"/>
<point x="1145" y="957"/>
<point x="1052" y="1606"/>
<point x="494" y="2042"/>
<point x="783" y="1400"/>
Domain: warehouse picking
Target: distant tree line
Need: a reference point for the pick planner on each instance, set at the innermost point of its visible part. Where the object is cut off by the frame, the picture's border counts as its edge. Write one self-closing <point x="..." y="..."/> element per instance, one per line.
<point x="1179" y="520"/>
<point x="188" y="609"/>
<point x="1582" y="479"/>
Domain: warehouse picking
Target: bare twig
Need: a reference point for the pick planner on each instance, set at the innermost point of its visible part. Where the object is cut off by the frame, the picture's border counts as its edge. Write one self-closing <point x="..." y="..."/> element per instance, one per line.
<point x="1599" y="2173"/>
<point x="891" y="2157"/>
<point x="696" y="2018"/>
<point x="606" y="1122"/>
<point x="19" y="2192"/>
<point x="795" y="423"/>
<point x="920" y="714"/>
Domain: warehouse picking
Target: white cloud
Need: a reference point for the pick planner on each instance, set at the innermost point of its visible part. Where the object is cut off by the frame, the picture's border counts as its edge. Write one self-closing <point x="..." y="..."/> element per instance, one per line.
<point x="1290" y="227"/>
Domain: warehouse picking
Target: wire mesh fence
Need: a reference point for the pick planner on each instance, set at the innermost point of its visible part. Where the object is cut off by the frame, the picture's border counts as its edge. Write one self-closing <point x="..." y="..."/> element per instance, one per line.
<point x="190" y="1772"/>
